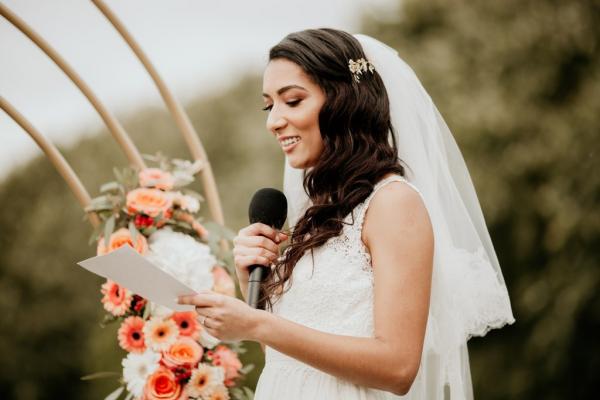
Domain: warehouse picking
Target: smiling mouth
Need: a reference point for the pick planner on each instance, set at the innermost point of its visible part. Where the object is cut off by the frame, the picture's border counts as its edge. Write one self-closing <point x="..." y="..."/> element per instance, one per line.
<point x="290" y="141"/>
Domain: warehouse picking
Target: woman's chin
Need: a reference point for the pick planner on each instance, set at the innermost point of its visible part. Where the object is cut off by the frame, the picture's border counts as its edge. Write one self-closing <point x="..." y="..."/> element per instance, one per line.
<point x="295" y="163"/>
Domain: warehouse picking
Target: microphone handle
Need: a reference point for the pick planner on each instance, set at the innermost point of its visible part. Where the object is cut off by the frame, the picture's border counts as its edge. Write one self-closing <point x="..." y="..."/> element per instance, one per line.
<point x="257" y="274"/>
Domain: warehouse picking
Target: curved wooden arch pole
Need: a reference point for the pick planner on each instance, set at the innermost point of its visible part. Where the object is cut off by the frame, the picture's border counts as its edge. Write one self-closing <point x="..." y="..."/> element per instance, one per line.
<point x="111" y="122"/>
<point x="57" y="159"/>
<point x="179" y="115"/>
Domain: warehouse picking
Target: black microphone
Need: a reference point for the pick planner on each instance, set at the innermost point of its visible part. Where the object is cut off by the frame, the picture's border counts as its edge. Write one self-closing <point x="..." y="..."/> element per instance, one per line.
<point x="268" y="206"/>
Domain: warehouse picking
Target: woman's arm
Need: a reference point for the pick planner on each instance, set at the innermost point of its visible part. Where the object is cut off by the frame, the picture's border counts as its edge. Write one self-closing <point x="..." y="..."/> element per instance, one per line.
<point x="255" y="244"/>
<point x="398" y="233"/>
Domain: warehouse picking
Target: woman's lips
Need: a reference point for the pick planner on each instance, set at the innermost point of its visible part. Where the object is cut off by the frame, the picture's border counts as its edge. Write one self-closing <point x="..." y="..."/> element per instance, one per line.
<point x="290" y="144"/>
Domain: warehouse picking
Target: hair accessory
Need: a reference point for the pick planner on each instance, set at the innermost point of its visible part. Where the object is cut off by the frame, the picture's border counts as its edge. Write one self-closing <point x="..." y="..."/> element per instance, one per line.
<point x="359" y="66"/>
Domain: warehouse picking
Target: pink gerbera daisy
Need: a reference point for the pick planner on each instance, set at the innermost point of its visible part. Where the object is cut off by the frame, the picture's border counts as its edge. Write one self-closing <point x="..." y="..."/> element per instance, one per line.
<point x="188" y="323"/>
<point x="117" y="299"/>
<point x="131" y="335"/>
<point x="160" y="334"/>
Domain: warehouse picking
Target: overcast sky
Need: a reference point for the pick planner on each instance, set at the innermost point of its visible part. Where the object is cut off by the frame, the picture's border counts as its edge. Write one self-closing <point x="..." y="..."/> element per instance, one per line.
<point x="197" y="46"/>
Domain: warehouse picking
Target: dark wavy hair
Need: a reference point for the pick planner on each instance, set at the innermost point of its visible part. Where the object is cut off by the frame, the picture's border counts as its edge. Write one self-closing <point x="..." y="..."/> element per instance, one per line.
<point x="359" y="148"/>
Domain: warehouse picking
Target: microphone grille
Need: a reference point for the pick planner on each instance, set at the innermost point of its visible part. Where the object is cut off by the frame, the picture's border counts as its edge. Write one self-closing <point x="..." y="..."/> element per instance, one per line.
<point x="268" y="206"/>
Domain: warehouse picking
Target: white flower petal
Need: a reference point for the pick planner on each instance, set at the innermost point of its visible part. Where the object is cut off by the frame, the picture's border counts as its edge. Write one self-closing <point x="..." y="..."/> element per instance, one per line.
<point x="183" y="257"/>
<point x="137" y="368"/>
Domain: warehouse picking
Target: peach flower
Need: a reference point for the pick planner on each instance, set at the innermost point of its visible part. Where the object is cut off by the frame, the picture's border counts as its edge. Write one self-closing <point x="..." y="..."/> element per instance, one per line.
<point x="162" y="385"/>
<point x="226" y="358"/>
<point x="219" y="393"/>
<point x="160" y="334"/>
<point x="187" y="322"/>
<point x="157" y="178"/>
<point x="131" y="335"/>
<point x="149" y="201"/>
<point x="120" y="238"/>
<point x="117" y="299"/>
<point x="222" y="282"/>
<point x="185" y="352"/>
<point x="204" y="380"/>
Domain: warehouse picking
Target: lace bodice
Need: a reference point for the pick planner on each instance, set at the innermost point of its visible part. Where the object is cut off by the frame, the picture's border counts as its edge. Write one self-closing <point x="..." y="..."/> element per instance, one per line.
<point x="334" y="293"/>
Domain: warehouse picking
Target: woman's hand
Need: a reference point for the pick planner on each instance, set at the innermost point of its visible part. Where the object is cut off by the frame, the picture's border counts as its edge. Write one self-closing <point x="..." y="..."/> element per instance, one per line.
<point x="256" y="244"/>
<point x="224" y="317"/>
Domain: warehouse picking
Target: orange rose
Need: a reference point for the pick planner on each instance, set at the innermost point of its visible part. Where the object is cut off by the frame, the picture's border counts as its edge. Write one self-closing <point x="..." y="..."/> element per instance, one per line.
<point x="226" y="358"/>
<point x="157" y="178"/>
<point x="149" y="201"/>
<point x="120" y="238"/>
<point x="162" y="385"/>
<point x="185" y="352"/>
<point x="222" y="282"/>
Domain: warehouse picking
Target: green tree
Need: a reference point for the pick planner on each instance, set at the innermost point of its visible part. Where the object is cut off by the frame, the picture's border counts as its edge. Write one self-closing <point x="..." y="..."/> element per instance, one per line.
<point x="518" y="84"/>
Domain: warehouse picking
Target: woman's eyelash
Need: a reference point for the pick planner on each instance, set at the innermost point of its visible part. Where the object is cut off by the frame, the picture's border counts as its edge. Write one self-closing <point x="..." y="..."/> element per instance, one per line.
<point x="292" y="103"/>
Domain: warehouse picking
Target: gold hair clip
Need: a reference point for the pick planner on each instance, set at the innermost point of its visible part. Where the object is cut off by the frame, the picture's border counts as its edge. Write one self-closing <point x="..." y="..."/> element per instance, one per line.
<point x="357" y="67"/>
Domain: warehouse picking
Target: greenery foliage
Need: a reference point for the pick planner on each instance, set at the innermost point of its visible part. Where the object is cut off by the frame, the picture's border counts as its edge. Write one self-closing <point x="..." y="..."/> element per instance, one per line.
<point x="517" y="82"/>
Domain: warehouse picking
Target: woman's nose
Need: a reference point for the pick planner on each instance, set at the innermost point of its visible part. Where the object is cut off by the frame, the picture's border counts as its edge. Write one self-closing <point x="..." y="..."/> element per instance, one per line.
<point x="275" y="121"/>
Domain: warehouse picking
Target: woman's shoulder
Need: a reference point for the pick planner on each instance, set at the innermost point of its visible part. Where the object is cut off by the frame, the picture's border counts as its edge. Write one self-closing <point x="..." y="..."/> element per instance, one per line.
<point x="392" y="177"/>
<point x="395" y="195"/>
<point x="393" y="188"/>
<point x="395" y="201"/>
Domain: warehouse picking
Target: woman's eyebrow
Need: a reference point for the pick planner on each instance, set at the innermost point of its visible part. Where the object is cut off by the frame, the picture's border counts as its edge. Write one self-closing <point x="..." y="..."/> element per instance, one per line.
<point x="284" y="89"/>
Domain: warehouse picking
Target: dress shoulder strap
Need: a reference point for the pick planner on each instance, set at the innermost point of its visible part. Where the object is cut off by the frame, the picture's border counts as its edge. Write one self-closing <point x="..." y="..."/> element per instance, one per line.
<point x="363" y="209"/>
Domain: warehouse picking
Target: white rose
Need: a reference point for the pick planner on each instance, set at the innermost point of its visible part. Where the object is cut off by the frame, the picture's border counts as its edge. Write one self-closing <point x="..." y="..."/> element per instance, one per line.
<point x="183" y="257"/>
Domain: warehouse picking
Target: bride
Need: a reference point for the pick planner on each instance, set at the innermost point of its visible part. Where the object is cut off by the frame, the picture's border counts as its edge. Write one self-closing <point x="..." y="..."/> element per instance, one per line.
<point x="389" y="269"/>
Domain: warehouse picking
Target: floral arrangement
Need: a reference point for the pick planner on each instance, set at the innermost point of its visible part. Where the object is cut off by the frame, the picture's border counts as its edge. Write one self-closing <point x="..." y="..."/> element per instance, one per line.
<point x="169" y="354"/>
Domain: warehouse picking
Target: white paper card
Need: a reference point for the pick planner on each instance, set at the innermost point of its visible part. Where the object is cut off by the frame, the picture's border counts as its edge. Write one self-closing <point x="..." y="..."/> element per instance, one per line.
<point x="132" y="271"/>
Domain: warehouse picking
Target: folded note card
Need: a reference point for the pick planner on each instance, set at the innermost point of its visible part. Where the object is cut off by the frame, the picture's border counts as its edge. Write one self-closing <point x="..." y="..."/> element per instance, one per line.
<point x="132" y="271"/>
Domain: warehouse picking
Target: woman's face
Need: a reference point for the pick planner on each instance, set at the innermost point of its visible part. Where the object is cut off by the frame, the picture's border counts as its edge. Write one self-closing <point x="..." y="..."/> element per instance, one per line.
<point x="293" y="101"/>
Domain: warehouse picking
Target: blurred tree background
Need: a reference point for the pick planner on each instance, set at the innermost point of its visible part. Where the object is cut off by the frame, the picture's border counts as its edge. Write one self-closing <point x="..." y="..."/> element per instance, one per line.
<point x="518" y="83"/>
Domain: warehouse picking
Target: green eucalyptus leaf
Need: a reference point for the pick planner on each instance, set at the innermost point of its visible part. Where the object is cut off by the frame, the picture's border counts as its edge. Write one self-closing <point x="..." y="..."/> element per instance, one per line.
<point x="237" y="393"/>
<point x="133" y="231"/>
<point x="95" y="234"/>
<point x="249" y="393"/>
<point x="183" y="225"/>
<point x="109" y="186"/>
<point x="100" y="207"/>
<point x="98" y="199"/>
<point x="247" y="368"/>
<point x="149" y="231"/>
<point x="100" y="375"/>
<point x="108" y="319"/>
<point x="109" y="227"/>
<point x="116" y="394"/>
<point x="149" y="157"/>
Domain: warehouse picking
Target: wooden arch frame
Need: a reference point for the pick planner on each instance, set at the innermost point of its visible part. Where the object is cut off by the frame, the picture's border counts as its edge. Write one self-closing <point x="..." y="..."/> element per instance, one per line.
<point x="117" y="131"/>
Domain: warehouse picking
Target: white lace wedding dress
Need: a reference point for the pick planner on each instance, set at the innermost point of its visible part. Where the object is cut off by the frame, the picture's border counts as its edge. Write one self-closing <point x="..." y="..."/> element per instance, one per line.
<point x="336" y="296"/>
